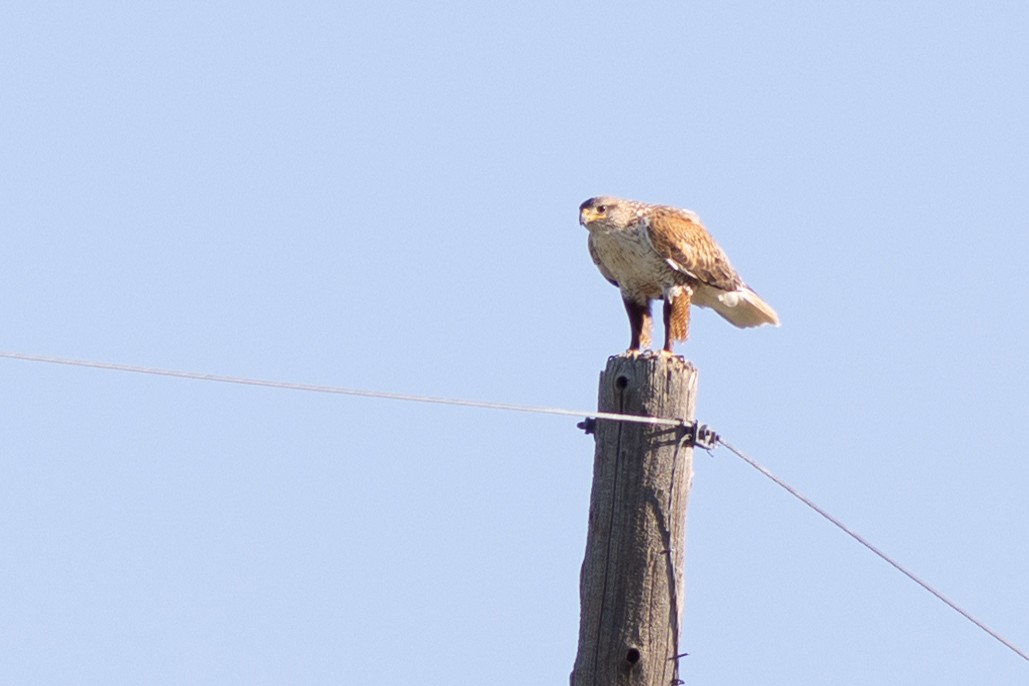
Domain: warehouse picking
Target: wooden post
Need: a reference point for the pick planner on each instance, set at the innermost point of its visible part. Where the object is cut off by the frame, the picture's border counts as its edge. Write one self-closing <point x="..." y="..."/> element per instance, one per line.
<point x="631" y="582"/>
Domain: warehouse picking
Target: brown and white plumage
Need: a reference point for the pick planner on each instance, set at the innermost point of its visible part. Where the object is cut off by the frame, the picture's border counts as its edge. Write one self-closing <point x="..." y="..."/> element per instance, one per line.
<point x="656" y="252"/>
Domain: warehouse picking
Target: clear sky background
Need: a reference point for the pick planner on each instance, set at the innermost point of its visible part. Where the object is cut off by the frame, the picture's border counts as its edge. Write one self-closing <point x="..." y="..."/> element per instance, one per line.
<point x="385" y="196"/>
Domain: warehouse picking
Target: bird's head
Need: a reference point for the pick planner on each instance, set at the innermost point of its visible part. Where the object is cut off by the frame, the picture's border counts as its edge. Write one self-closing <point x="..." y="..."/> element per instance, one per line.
<point x="606" y="213"/>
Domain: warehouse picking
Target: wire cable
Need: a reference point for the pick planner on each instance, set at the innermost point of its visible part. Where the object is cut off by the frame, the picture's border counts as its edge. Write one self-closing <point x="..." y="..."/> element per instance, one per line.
<point x="886" y="558"/>
<point x="662" y="421"/>
<point x="339" y="390"/>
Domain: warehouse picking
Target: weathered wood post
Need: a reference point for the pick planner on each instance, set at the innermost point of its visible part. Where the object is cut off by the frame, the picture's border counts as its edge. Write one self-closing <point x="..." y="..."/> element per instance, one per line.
<point x="631" y="582"/>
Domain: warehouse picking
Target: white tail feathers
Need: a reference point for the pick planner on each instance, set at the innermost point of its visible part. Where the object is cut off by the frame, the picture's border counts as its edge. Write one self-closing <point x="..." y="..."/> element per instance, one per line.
<point x="743" y="307"/>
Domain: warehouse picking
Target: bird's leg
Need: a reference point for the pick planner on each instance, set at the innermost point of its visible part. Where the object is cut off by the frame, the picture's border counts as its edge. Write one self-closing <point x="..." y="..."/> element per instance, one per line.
<point x="639" y="323"/>
<point x="677" y="317"/>
<point x="668" y="323"/>
<point x="644" y="337"/>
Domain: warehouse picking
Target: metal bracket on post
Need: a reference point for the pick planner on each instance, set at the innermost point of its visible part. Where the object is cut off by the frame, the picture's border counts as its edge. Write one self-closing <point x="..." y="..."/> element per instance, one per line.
<point x="588" y="425"/>
<point x="698" y="435"/>
<point x="694" y="434"/>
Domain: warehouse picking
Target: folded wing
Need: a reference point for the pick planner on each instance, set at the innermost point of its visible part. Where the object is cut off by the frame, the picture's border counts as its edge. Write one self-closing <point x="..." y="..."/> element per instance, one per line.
<point x="683" y="242"/>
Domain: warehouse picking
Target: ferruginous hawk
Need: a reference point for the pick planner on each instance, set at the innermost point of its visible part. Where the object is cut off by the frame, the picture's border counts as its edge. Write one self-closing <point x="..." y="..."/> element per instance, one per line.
<point x="655" y="252"/>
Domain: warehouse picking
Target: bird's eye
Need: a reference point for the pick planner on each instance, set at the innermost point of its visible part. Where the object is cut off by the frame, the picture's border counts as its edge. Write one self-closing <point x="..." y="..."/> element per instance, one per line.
<point x="601" y="209"/>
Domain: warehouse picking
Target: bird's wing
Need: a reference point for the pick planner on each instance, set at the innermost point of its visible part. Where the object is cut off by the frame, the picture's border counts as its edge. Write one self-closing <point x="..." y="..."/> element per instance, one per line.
<point x="683" y="242"/>
<point x="600" y="265"/>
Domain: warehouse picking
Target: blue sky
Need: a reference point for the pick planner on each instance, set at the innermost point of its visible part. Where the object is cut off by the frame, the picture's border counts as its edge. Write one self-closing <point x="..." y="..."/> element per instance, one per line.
<point x="385" y="197"/>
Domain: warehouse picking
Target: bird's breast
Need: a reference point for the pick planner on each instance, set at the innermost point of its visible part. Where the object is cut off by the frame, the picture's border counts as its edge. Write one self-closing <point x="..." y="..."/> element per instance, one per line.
<point x="632" y="261"/>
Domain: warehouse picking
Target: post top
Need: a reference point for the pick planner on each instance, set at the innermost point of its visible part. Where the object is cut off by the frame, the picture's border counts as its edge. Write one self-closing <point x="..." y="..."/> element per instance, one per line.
<point x="652" y="357"/>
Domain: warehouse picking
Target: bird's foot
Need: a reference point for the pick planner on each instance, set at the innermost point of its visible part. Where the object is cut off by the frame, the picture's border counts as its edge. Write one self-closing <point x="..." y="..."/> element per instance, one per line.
<point x="670" y="355"/>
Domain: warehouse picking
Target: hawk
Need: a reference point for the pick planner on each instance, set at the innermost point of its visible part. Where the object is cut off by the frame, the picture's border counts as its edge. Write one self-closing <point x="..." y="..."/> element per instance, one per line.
<point x="655" y="252"/>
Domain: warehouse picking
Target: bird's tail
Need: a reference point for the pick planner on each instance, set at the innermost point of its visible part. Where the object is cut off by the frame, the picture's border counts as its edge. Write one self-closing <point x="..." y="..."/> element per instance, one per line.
<point x="743" y="307"/>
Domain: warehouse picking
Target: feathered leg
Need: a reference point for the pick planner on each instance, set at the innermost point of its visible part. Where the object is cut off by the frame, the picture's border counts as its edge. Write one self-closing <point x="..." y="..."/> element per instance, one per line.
<point x="677" y="318"/>
<point x="639" y="323"/>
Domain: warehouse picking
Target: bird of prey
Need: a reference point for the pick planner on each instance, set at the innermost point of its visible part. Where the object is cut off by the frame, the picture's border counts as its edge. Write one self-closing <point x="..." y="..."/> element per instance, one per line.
<point x="655" y="252"/>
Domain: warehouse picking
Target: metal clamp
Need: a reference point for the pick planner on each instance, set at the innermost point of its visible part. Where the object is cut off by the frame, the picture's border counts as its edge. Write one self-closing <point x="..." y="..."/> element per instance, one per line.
<point x="588" y="425"/>
<point x="694" y="434"/>
<point x="699" y="435"/>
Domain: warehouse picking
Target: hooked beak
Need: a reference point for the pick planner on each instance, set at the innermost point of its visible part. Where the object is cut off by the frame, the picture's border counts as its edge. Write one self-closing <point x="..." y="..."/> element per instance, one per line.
<point x="586" y="215"/>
